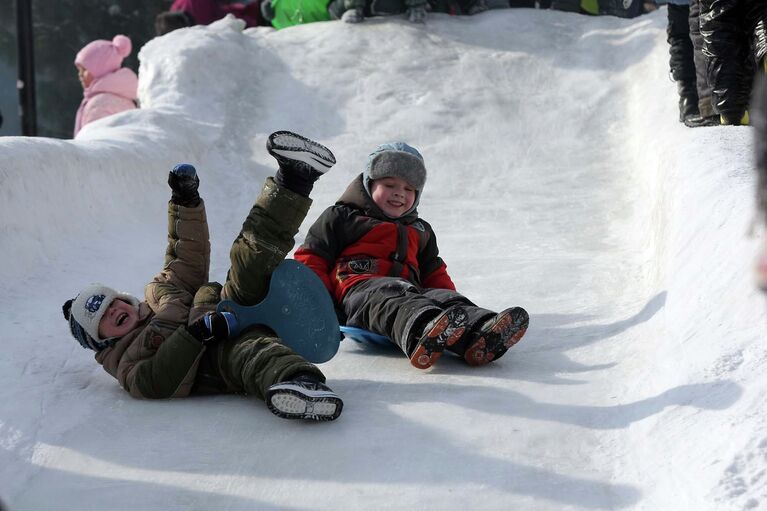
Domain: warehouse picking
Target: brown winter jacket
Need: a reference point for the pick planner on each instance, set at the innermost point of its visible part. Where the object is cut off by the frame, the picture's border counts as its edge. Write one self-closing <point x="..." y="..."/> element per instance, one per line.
<point x="158" y="359"/>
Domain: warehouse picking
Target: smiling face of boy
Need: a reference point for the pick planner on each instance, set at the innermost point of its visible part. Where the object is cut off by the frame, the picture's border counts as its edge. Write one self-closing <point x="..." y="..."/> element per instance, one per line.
<point x="393" y="195"/>
<point x="119" y="319"/>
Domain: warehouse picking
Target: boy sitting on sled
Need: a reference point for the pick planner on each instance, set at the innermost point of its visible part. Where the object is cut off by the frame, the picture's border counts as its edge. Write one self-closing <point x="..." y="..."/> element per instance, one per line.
<point x="381" y="264"/>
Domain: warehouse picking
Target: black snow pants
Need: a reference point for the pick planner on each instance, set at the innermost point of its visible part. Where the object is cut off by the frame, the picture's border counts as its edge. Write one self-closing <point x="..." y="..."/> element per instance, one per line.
<point x="682" y="59"/>
<point x="400" y="310"/>
<point x="705" y="103"/>
<point x="734" y="39"/>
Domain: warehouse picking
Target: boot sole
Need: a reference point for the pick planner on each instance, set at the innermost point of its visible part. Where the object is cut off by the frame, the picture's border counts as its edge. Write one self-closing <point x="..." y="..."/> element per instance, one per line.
<point x="289" y="403"/>
<point x="506" y="331"/>
<point x="290" y="146"/>
<point x="447" y="331"/>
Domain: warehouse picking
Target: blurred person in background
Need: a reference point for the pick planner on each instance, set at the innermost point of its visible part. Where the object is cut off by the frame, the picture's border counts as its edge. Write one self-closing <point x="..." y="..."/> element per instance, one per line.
<point x="187" y="13"/>
<point x="287" y="13"/>
<point x="355" y="11"/>
<point x="735" y="44"/>
<point x="108" y="88"/>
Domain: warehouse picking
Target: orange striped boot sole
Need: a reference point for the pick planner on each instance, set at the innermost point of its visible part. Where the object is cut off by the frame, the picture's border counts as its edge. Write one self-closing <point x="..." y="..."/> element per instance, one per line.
<point x="497" y="336"/>
<point x="446" y="330"/>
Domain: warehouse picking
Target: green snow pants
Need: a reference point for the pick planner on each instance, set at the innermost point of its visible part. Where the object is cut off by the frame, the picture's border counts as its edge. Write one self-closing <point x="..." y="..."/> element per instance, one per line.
<point x="256" y="359"/>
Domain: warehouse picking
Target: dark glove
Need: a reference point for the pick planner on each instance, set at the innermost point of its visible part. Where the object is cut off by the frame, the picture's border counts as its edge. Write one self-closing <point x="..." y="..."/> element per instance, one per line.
<point x="183" y="181"/>
<point x="214" y="326"/>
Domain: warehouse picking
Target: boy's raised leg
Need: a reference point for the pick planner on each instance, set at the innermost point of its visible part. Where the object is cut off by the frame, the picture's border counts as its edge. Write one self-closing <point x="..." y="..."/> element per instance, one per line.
<point x="268" y="232"/>
<point x="302" y="161"/>
<point x="258" y="363"/>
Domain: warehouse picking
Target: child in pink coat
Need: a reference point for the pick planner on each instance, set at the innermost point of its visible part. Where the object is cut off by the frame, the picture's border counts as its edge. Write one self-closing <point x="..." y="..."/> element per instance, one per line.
<point x="108" y="88"/>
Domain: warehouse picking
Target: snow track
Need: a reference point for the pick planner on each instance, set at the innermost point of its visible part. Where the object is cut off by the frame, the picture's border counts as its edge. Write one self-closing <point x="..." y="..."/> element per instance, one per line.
<point x="559" y="180"/>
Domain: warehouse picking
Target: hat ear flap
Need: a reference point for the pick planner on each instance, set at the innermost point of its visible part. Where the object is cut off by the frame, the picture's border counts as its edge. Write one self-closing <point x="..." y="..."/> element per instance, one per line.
<point x="66" y="309"/>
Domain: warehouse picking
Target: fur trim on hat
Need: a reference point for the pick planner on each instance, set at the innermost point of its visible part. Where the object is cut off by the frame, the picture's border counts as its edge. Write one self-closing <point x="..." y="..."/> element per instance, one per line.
<point x="102" y="57"/>
<point x="396" y="159"/>
<point x="86" y="310"/>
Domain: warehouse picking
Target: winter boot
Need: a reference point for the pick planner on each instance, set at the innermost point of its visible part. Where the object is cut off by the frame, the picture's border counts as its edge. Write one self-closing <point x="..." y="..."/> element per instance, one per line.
<point x="444" y="330"/>
<point x="416" y="14"/>
<point x="497" y="335"/>
<point x="479" y="6"/>
<point x="302" y="161"/>
<point x="304" y="397"/>
<point x="356" y="15"/>
<point x="688" y="100"/>
<point x="699" y="121"/>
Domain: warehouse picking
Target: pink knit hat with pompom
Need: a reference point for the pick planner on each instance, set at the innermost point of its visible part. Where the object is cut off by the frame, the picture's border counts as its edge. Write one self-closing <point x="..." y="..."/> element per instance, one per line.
<point x="103" y="57"/>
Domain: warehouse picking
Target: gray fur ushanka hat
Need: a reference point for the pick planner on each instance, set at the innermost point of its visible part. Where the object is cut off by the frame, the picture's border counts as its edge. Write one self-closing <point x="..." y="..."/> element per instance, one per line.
<point x="396" y="159"/>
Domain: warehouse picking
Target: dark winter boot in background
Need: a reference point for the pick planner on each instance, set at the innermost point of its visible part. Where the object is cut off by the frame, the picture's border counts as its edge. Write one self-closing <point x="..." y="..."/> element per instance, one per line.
<point x="302" y="161"/>
<point x="496" y="336"/>
<point x="699" y="121"/>
<point x="477" y="7"/>
<point x="444" y="330"/>
<point x="304" y="397"/>
<point x="688" y="100"/>
<point x="355" y="15"/>
<point x="416" y="14"/>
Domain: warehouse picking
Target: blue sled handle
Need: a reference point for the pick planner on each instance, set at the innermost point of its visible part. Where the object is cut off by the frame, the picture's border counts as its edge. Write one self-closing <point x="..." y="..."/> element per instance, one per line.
<point x="298" y="309"/>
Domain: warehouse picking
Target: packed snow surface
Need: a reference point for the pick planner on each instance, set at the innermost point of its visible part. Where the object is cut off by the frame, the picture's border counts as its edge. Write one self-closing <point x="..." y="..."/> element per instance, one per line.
<point x="559" y="180"/>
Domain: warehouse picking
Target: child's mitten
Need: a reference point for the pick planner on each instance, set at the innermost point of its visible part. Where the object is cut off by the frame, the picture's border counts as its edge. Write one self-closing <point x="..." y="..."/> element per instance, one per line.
<point x="214" y="326"/>
<point x="183" y="182"/>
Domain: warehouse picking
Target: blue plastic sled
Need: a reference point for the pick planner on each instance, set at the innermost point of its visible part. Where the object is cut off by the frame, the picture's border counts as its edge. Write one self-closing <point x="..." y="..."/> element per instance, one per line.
<point x="365" y="336"/>
<point x="298" y="308"/>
